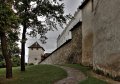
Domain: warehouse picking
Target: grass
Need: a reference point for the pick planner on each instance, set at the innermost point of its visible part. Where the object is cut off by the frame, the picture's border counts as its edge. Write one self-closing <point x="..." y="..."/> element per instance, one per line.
<point x="79" y="67"/>
<point x="39" y="74"/>
<point x="90" y="79"/>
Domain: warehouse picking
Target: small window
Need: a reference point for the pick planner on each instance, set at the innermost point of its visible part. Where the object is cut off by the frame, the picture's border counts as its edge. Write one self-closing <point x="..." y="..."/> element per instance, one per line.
<point x="35" y="58"/>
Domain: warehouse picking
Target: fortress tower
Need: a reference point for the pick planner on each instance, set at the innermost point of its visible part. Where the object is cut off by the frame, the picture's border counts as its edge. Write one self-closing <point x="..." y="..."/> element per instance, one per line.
<point x="35" y="53"/>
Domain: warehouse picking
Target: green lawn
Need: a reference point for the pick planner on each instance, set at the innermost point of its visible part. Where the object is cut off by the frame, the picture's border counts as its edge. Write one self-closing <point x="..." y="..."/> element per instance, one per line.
<point x="79" y="67"/>
<point x="39" y="74"/>
<point x="86" y="70"/>
<point x="92" y="80"/>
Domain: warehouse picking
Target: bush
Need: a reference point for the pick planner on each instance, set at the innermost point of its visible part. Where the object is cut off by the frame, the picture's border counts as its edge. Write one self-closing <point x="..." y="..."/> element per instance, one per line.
<point x="15" y="61"/>
<point x="2" y="64"/>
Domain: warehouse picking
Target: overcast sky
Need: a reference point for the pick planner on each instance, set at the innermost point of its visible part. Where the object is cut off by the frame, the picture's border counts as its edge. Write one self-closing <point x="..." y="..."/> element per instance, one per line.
<point x="70" y="7"/>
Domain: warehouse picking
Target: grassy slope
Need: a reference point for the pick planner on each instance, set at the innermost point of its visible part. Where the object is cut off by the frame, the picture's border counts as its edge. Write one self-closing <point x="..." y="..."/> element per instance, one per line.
<point x="79" y="67"/>
<point x="40" y="74"/>
<point x="92" y="80"/>
<point x="85" y="70"/>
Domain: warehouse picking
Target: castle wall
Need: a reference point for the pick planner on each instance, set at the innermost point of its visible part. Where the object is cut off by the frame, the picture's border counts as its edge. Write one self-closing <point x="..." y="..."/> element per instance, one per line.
<point x="35" y="55"/>
<point x="87" y="35"/>
<point x="101" y="35"/>
<point x="100" y="39"/>
<point x="69" y="52"/>
<point x="106" y="53"/>
<point x="66" y="34"/>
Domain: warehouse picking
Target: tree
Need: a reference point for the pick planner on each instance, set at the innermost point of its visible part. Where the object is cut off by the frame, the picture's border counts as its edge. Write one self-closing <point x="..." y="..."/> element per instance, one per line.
<point x="15" y="52"/>
<point x="15" y="61"/>
<point x="8" y="24"/>
<point x="40" y="16"/>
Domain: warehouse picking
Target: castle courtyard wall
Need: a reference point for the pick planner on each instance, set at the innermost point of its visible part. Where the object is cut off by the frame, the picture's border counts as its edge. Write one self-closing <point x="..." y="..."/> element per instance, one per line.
<point x="87" y="34"/>
<point x="106" y="52"/>
<point x="96" y="41"/>
<point x="69" y="52"/>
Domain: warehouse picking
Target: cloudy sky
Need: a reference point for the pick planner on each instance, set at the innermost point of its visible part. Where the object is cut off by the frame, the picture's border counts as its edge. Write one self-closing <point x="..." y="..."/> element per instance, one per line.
<point x="70" y="7"/>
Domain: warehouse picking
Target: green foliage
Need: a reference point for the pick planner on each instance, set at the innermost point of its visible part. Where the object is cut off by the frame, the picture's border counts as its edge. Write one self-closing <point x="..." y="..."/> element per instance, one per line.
<point x="9" y="23"/>
<point x="15" y="61"/>
<point x="40" y="16"/>
<point x="14" y="51"/>
<point x="2" y="64"/>
<point x="1" y="57"/>
<point x="40" y="74"/>
<point x="8" y="19"/>
<point x="14" y="56"/>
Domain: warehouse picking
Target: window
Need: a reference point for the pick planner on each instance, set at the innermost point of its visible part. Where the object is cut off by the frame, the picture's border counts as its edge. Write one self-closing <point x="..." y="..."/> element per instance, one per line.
<point x="35" y="58"/>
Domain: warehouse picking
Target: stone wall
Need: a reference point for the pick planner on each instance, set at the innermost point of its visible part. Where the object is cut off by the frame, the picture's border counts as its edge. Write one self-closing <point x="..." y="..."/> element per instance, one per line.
<point x="87" y="33"/>
<point x="66" y="34"/>
<point x="35" y="55"/>
<point x="99" y="40"/>
<point x="101" y="35"/>
<point x="106" y="53"/>
<point x="69" y="52"/>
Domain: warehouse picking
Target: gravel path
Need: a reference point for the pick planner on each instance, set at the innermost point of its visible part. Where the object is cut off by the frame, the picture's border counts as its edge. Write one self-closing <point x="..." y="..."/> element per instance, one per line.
<point x="74" y="76"/>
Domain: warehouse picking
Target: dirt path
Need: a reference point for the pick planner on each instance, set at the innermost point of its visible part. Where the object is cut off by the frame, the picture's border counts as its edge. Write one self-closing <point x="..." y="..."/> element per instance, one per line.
<point x="74" y="76"/>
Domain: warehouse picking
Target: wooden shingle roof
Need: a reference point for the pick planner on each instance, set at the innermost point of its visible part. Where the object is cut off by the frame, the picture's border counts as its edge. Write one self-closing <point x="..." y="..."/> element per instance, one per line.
<point x="36" y="45"/>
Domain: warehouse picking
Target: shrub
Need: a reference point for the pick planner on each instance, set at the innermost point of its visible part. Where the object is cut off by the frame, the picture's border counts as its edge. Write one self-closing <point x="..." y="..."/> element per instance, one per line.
<point x="15" y="61"/>
<point x="2" y="64"/>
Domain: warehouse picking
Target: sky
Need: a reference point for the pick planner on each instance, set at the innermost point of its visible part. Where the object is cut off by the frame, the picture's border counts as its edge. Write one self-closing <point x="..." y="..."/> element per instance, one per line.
<point x="70" y="7"/>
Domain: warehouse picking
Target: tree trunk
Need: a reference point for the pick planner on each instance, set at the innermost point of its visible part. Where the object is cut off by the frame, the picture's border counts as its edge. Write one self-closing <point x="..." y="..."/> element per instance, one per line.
<point x="6" y="56"/>
<point x="23" y="48"/>
<point x="23" y="40"/>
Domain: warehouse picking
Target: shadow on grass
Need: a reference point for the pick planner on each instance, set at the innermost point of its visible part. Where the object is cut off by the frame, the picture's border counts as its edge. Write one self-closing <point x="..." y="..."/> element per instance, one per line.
<point x="39" y="74"/>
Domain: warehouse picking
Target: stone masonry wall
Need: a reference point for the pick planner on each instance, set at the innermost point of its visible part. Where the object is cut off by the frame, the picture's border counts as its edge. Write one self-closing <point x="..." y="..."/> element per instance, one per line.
<point x="106" y="53"/>
<point x="35" y="55"/>
<point x="87" y="35"/>
<point x="70" y="52"/>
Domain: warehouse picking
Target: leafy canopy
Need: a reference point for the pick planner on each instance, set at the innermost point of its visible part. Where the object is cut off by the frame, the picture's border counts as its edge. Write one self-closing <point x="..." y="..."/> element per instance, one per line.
<point x="8" y="19"/>
<point x="9" y="23"/>
<point x="40" y="15"/>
